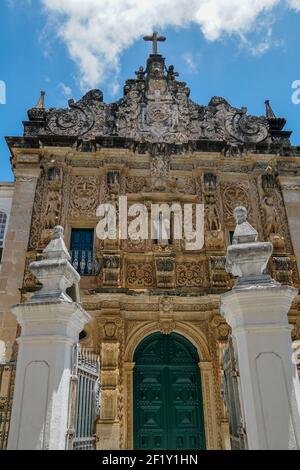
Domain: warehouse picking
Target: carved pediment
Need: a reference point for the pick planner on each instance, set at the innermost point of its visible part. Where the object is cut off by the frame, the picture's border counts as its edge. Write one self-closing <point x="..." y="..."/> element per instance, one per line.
<point x="155" y="108"/>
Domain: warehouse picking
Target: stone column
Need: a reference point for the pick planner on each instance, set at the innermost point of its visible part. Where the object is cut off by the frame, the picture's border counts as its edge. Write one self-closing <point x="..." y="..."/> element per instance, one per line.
<point x="13" y="262"/>
<point x="51" y="324"/>
<point x="256" y="309"/>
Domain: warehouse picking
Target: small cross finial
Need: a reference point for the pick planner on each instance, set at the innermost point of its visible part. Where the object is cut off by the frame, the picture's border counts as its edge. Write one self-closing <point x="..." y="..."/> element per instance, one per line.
<point x="155" y="38"/>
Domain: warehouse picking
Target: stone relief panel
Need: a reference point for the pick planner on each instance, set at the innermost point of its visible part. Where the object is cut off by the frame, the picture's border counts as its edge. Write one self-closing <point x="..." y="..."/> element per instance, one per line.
<point x="135" y="246"/>
<point x="184" y="185"/>
<point x="284" y="270"/>
<point x="36" y="225"/>
<point x="193" y="274"/>
<point x="29" y="279"/>
<point x="47" y="208"/>
<point x="236" y="194"/>
<point x="140" y="275"/>
<point x="219" y="276"/>
<point x="136" y="184"/>
<point x="84" y="195"/>
<point x="272" y="211"/>
<point x="214" y="230"/>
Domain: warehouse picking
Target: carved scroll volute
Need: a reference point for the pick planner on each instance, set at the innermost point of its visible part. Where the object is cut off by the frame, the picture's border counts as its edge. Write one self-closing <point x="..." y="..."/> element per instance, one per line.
<point x="220" y="328"/>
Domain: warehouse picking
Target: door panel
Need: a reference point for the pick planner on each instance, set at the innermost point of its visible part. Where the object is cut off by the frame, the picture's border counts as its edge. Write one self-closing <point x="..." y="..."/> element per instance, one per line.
<point x="168" y="409"/>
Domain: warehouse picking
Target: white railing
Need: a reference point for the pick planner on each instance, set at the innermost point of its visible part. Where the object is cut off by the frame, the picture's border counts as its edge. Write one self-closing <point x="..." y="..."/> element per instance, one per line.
<point x="87" y="400"/>
<point x="85" y="262"/>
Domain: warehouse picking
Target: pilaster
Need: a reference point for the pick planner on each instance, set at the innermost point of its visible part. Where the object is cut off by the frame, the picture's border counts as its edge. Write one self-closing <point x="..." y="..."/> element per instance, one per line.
<point x="13" y="261"/>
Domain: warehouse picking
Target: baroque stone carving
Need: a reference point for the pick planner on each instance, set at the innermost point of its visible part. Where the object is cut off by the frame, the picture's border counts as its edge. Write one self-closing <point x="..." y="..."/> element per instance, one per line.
<point x="275" y="226"/>
<point x="234" y="195"/>
<point x="36" y="225"/>
<point x="140" y="275"/>
<point x="219" y="276"/>
<point x="84" y="195"/>
<point x="29" y="278"/>
<point x="221" y="329"/>
<point x="135" y="184"/>
<point x="192" y="274"/>
<point x="53" y="207"/>
<point x="88" y="113"/>
<point x="156" y="107"/>
<point x="165" y="272"/>
<point x="282" y="269"/>
<point x="111" y="270"/>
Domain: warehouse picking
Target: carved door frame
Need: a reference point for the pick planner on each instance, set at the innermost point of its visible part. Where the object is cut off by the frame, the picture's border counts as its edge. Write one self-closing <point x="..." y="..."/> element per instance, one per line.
<point x="197" y="338"/>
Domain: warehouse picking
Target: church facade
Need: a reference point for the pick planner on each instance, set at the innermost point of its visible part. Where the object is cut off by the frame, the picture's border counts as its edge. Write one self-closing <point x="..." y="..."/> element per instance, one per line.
<point x="168" y="378"/>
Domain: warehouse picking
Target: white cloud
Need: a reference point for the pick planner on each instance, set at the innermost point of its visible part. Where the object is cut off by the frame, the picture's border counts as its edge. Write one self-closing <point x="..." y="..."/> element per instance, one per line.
<point x="65" y="90"/>
<point x="191" y="61"/>
<point x="96" y="32"/>
<point x="294" y="4"/>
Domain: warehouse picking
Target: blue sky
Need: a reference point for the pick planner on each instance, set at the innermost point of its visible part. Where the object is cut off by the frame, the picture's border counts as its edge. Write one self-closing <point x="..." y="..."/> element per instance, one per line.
<point x="34" y="58"/>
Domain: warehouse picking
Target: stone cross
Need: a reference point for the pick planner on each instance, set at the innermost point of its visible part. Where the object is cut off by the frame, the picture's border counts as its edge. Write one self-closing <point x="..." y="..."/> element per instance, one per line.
<point x="155" y="39"/>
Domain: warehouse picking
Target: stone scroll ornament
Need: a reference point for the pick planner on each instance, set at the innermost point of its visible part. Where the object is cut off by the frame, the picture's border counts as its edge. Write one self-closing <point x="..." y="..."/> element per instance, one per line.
<point x="80" y="117"/>
<point x="237" y="123"/>
<point x="181" y="122"/>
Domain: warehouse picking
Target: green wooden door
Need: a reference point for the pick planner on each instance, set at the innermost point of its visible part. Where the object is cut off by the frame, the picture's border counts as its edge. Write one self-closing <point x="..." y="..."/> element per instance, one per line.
<point x="168" y="407"/>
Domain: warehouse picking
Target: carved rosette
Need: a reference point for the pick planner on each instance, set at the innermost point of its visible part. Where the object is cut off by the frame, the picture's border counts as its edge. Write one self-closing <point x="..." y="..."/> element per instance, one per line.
<point x="140" y="275"/>
<point x="192" y="274"/>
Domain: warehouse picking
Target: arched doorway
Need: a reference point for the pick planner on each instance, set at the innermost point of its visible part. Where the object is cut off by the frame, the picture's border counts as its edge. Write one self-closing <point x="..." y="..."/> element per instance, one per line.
<point x="167" y="395"/>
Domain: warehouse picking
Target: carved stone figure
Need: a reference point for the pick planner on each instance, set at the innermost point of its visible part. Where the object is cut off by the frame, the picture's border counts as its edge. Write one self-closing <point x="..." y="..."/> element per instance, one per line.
<point x="52" y="209"/>
<point x="212" y="218"/>
<point x="272" y="223"/>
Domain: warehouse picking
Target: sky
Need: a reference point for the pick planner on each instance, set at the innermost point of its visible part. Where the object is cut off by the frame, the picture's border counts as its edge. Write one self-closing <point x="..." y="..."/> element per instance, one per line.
<point x="244" y="50"/>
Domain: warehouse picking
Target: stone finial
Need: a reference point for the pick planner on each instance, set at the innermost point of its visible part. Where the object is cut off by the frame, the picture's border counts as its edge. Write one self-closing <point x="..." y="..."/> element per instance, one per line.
<point x="275" y="123"/>
<point x="247" y="258"/>
<point x="269" y="111"/>
<point x="41" y="102"/>
<point x="57" y="248"/>
<point x="54" y="271"/>
<point x="38" y="113"/>
<point x="244" y="232"/>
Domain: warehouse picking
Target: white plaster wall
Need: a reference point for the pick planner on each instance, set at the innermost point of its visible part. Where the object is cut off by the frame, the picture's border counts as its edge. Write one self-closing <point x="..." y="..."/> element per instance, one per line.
<point x="6" y="197"/>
